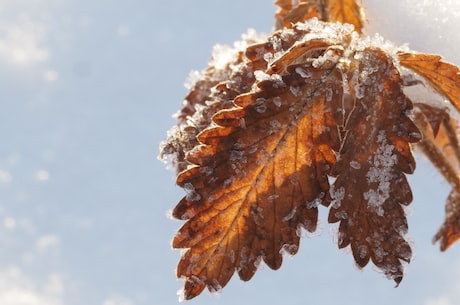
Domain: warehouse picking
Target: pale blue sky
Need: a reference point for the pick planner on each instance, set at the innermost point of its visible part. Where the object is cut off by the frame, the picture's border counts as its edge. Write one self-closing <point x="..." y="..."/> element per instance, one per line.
<point x="87" y="90"/>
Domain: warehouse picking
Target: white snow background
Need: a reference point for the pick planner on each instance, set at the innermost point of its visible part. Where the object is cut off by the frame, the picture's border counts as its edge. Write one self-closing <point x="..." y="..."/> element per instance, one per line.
<point x="87" y="90"/>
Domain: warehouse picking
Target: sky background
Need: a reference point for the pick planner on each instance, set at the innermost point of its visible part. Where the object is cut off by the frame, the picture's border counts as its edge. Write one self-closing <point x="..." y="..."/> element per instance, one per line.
<point x="87" y="90"/>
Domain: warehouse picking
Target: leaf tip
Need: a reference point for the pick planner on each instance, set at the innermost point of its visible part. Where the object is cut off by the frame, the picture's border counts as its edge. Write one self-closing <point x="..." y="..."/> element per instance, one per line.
<point x="398" y="280"/>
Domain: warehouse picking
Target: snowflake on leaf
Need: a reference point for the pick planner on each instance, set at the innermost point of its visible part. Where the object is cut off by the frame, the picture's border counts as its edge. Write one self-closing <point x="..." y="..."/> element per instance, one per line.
<point x="270" y="122"/>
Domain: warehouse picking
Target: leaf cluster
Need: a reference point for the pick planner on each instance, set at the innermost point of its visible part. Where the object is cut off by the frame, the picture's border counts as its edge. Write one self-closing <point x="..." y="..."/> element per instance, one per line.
<point x="313" y="115"/>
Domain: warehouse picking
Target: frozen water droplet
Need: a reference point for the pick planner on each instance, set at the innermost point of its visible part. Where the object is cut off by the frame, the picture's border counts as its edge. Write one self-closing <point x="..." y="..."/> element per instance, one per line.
<point x="355" y="165"/>
<point x="277" y="101"/>
<point x="302" y="72"/>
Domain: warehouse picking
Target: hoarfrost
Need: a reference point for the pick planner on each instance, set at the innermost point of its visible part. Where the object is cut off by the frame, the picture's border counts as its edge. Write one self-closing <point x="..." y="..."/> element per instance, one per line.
<point x="261" y="75"/>
<point x="380" y="173"/>
<point x="276" y="78"/>
<point x="289" y="250"/>
<point x="222" y="55"/>
<point x="277" y="101"/>
<point x="355" y="164"/>
<point x="268" y="57"/>
<point x="192" y="194"/>
<point x="193" y="77"/>
<point x="334" y="233"/>
<point x="296" y="91"/>
<point x="302" y="72"/>
<point x="358" y="86"/>
<point x="260" y="106"/>
<point x="206" y="170"/>
<point x="315" y="202"/>
<point x="231" y="255"/>
<point x="302" y="233"/>
<point x="215" y="286"/>
<point x="181" y="294"/>
<point x="229" y="181"/>
<point x="238" y="155"/>
<point x="290" y="215"/>
<point x="363" y="251"/>
<point x="337" y="195"/>
<point x="329" y="94"/>
<point x="324" y="59"/>
<point x="275" y="125"/>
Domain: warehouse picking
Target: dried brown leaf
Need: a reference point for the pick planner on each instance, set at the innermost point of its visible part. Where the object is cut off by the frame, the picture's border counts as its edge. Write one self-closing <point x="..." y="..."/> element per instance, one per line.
<point x="343" y="11"/>
<point x="346" y="11"/>
<point x="440" y="144"/>
<point x="444" y="77"/>
<point x="371" y="187"/>
<point x="260" y="173"/>
<point x="259" y="137"/>
<point x="449" y="232"/>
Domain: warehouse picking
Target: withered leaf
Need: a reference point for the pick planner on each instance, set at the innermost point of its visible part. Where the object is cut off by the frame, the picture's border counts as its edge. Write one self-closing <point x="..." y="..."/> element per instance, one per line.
<point x="449" y="232"/>
<point x="371" y="187"/>
<point x="344" y="11"/>
<point x="262" y="134"/>
<point x="441" y="146"/>
<point x="266" y="164"/>
<point x="444" y="77"/>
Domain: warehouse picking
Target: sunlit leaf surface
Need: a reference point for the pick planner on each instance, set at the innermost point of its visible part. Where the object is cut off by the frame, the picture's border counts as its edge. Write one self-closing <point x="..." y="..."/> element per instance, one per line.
<point x="312" y="115"/>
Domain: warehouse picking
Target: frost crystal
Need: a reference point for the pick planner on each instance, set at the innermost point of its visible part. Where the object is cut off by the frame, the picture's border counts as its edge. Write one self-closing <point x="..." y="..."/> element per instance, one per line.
<point x="337" y="195"/>
<point x="290" y="215"/>
<point x="277" y="101"/>
<point x="302" y="72"/>
<point x="262" y="76"/>
<point x="380" y="174"/>
<point x="193" y="77"/>
<point x="192" y="194"/>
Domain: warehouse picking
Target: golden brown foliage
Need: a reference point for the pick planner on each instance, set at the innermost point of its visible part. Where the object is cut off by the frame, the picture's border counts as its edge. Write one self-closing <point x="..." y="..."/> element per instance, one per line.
<point x="313" y="114"/>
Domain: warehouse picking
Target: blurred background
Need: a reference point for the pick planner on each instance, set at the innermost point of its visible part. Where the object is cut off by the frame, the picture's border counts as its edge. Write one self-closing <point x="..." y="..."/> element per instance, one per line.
<point x="87" y="93"/>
